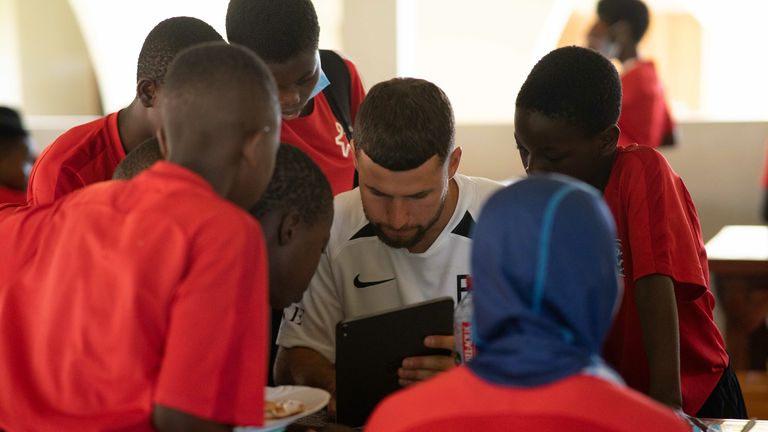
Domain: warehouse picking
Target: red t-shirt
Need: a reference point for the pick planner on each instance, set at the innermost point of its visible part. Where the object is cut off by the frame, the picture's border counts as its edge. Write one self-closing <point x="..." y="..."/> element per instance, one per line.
<point x="322" y="137"/>
<point x="82" y="155"/>
<point x="127" y="294"/>
<point x="458" y="400"/>
<point x="12" y="196"/>
<point x="645" y="117"/>
<point x="659" y="233"/>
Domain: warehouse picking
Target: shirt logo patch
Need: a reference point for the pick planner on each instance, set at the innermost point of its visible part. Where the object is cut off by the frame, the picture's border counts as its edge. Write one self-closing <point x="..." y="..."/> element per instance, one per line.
<point x="365" y="284"/>
<point x="341" y="142"/>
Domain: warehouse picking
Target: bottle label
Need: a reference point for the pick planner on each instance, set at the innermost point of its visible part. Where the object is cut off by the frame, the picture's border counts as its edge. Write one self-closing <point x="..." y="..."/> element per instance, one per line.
<point x="467" y="347"/>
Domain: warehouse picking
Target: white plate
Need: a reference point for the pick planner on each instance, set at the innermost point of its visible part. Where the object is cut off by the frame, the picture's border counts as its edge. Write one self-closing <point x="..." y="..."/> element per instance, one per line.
<point x="314" y="400"/>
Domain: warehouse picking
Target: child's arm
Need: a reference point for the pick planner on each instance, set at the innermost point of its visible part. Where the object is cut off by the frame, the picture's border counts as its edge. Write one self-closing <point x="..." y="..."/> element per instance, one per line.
<point x="657" y="310"/>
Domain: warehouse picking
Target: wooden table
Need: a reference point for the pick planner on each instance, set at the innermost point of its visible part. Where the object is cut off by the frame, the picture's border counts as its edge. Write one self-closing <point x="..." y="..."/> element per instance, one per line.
<point x="738" y="261"/>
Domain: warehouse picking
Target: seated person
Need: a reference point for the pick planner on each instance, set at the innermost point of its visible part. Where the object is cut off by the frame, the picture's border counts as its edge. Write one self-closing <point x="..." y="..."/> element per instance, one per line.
<point x="664" y="340"/>
<point x="545" y="290"/>
<point x="14" y="158"/>
<point x="142" y="305"/>
<point x="90" y="152"/>
<point x="295" y="214"/>
<point x="319" y="98"/>
<point x="645" y="117"/>
<point x="402" y="237"/>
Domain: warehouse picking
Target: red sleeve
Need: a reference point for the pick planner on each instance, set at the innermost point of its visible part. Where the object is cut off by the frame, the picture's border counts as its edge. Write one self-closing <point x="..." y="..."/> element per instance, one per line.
<point x="765" y="169"/>
<point x="662" y="224"/>
<point x="49" y="181"/>
<point x="357" y="91"/>
<point x="215" y="359"/>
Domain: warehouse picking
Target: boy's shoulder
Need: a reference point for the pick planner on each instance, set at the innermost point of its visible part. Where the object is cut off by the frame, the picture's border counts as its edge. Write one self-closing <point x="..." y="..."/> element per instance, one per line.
<point x="633" y="157"/>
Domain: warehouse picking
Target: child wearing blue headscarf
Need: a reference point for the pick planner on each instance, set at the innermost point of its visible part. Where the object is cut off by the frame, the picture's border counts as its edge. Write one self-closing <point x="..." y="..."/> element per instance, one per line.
<point x="546" y="289"/>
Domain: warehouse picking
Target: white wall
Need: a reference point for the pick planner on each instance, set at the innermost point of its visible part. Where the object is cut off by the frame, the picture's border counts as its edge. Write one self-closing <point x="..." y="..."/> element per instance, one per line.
<point x="720" y="163"/>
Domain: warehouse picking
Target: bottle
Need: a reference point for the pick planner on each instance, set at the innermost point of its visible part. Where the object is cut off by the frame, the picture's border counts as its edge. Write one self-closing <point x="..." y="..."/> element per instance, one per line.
<point x="462" y="327"/>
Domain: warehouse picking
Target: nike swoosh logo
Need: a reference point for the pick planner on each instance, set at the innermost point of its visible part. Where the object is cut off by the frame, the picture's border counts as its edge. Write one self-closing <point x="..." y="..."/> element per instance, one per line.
<point x="360" y="284"/>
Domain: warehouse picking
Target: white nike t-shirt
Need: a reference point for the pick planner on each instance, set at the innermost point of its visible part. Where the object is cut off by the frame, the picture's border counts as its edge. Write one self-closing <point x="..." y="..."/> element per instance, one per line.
<point x="358" y="274"/>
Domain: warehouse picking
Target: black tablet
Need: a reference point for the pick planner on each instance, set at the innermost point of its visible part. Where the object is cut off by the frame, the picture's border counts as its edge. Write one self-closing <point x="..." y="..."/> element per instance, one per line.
<point x="370" y="349"/>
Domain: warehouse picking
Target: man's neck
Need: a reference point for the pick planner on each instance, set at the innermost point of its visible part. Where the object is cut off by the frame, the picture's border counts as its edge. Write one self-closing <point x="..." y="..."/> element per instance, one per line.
<point x="133" y="126"/>
<point x="445" y="216"/>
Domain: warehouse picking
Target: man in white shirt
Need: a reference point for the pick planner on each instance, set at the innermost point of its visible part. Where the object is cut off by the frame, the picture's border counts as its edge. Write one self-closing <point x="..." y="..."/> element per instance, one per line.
<point x="401" y="237"/>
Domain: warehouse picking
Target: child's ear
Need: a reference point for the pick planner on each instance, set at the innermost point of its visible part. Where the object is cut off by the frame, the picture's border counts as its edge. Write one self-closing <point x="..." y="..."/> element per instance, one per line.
<point x="146" y="91"/>
<point x="609" y="138"/>
<point x="289" y="226"/>
<point x="253" y="150"/>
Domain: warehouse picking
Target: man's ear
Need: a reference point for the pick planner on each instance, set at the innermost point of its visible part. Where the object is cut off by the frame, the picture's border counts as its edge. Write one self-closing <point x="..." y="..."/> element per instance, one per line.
<point x="146" y="91"/>
<point x="162" y="143"/>
<point x="453" y="162"/>
<point x="354" y="151"/>
<point x="288" y="228"/>
<point x="609" y="138"/>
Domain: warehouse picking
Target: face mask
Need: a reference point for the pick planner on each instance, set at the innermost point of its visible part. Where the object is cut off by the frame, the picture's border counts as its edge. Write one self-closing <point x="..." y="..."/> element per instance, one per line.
<point x="322" y="83"/>
<point x="609" y="49"/>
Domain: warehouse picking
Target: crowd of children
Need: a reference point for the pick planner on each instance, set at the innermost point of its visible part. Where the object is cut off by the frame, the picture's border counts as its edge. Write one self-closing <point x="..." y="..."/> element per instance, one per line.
<point x="140" y="264"/>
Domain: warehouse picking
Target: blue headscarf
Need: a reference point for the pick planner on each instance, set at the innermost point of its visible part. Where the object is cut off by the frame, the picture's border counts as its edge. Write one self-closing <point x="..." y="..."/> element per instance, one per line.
<point x="546" y="284"/>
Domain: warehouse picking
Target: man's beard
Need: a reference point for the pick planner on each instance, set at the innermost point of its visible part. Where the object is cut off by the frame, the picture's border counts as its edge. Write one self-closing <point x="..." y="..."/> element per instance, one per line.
<point x="409" y="242"/>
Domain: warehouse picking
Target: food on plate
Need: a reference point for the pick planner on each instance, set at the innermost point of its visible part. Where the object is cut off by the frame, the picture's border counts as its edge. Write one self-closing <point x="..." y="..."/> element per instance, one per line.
<point x="281" y="409"/>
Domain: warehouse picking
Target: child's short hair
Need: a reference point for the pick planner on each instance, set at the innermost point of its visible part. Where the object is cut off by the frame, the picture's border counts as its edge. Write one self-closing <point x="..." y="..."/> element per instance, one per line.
<point x="277" y="30"/>
<point x="166" y="40"/>
<point x="404" y="122"/>
<point x="297" y="184"/>
<point x="633" y="12"/>
<point x="139" y="159"/>
<point x="11" y="126"/>
<point x="12" y="132"/>
<point x="574" y="84"/>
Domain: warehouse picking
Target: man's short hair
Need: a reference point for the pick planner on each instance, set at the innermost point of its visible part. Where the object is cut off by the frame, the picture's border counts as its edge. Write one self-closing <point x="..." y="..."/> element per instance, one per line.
<point x="166" y="40"/>
<point x="574" y="84"/>
<point x="277" y="30"/>
<point x="139" y="159"/>
<point x="633" y="12"/>
<point x="297" y="184"/>
<point x="404" y="122"/>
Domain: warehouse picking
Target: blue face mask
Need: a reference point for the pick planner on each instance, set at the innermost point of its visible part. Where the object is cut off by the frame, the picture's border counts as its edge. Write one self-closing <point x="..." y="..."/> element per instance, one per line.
<point x="322" y="83"/>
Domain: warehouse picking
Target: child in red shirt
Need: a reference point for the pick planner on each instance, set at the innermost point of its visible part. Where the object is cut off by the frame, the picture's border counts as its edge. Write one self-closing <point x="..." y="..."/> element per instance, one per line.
<point x="664" y="341"/>
<point x="645" y="117"/>
<point x="142" y="305"/>
<point x="285" y="34"/>
<point x="14" y="158"/>
<point x="295" y="213"/>
<point x="89" y="153"/>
